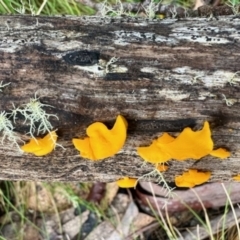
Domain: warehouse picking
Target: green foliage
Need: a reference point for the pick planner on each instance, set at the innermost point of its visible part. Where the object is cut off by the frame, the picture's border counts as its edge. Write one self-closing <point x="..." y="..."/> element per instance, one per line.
<point x="15" y="198"/>
<point x="204" y="222"/>
<point x="234" y="5"/>
<point x="53" y="7"/>
<point x="73" y="7"/>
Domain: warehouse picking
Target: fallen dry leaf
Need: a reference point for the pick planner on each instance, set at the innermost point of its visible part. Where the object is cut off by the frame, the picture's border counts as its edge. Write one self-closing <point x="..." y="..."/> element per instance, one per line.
<point x="72" y="227"/>
<point x="123" y="228"/>
<point x="97" y="192"/>
<point x="104" y="230"/>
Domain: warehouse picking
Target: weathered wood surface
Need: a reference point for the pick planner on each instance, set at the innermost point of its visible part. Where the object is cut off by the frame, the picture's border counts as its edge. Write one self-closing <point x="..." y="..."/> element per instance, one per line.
<point x="170" y="74"/>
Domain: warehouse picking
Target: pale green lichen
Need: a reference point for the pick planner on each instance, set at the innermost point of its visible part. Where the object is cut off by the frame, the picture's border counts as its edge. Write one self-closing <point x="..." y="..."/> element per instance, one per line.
<point x="34" y="114"/>
<point x="6" y="128"/>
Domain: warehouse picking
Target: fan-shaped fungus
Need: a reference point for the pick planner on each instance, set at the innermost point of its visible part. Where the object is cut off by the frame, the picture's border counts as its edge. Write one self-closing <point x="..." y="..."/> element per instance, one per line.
<point x="192" y="178"/>
<point x="127" y="182"/>
<point x="220" y="153"/>
<point x="41" y="146"/>
<point x="188" y="144"/>
<point x="102" y="142"/>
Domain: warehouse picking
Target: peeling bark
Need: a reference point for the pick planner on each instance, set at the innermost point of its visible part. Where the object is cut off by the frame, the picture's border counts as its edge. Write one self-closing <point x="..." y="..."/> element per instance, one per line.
<point x="162" y="75"/>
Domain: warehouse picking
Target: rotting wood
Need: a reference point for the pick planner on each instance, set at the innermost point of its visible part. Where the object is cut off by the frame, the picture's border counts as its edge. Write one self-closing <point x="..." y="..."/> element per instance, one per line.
<point x="165" y="75"/>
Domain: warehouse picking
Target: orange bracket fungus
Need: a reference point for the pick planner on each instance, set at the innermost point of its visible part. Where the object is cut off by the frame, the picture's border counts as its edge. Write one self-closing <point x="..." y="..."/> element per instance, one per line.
<point x="188" y="144"/>
<point x="127" y="182"/>
<point x="41" y="146"/>
<point x="192" y="178"/>
<point x="102" y="142"/>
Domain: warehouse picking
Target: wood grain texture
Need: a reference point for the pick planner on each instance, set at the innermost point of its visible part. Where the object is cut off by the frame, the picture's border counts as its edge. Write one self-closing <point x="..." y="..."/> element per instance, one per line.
<point x="169" y="74"/>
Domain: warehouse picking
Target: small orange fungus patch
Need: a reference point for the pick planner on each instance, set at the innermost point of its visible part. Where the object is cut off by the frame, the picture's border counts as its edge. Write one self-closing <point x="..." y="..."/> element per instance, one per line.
<point x="237" y="178"/>
<point x="41" y="146"/>
<point x="102" y="142"/>
<point x="188" y="144"/>
<point x="220" y="153"/>
<point x="127" y="182"/>
<point x="192" y="178"/>
<point x="162" y="168"/>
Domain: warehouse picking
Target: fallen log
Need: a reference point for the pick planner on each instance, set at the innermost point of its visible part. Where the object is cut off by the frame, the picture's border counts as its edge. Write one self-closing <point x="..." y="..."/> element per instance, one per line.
<point x="161" y="75"/>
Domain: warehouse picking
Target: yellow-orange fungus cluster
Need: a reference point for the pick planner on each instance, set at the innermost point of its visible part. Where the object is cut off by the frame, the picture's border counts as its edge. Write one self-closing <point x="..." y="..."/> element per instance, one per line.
<point x="41" y="146"/>
<point x="192" y="178"/>
<point x="189" y="144"/>
<point x="127" y="182"/>
<point x="102" y="142"/>
<point x="237" y="178"/>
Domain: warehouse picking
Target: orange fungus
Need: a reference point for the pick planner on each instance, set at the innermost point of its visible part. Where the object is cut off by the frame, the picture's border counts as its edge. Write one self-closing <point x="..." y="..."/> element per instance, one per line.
<point x="102" y="142"/>
<point x="127" y="182"/>
<point x="220" y="153"/>
<point x="41" y="146"/>
<point x="237" y="178"/>
<point x="162" y="168"/>
<point x="188" y="144"/>
<point x="192" y="178"/>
